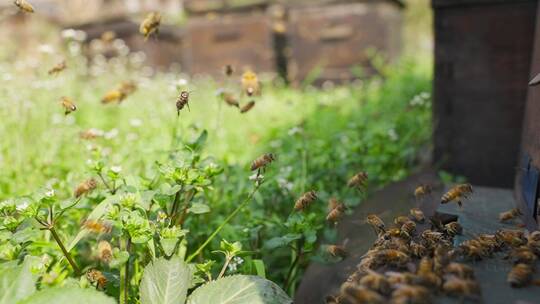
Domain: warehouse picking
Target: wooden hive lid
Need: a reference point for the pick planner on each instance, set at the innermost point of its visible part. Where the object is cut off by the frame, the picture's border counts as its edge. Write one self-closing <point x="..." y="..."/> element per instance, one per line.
<point x="464" y="3"/>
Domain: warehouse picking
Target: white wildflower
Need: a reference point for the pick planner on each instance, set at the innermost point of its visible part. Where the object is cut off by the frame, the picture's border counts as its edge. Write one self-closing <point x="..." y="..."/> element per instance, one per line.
<point x="116" y="169"/>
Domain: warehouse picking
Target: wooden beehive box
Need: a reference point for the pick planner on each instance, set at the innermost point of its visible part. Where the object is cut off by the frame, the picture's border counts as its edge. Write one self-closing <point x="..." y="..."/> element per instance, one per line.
<point x="482" y="61"/>
<point x="241" y="40"/>
<point x="198" y="7"/>
<point x="527" y="181"/>
<point x="328" y="41"/>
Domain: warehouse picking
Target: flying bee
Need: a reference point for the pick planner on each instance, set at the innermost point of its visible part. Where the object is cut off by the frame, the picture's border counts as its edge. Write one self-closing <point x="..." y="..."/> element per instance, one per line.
<point x="523" y="255"/>
<point x="411" y="294"/>
<point x="150" y="24"/>
<point x="400" y="220"/>
<point x="68" y="105"/>
<point x="359" y="180"/>
<point x="250" y="84"/>
<point x="376" y="223"/>
<point x="457" y="193"/>
<point x="230" y="99"/>
<point x="391" y="257"/>
<point x="453" y="229"/>
<point x="509" y="215"/>
<point x="409" y="227"/>
<point x="376" y="281"/>
<point x="96" y="277"/>
<point x="336" y="212"/>
<point x="90" y="134"/>
<point x="85" y="187"/>
<point x="422" y="191"/>
<point x="359" y="294"/>
<point x="228" y="70"/>
<point x="97" y="226"/>
<point x="417" y="215"/>
<point x="121" y="92"/>
<point x="462" y="288"/>
<point x="520" y="275"/>
<point x="247" y="107"/>
<point x="108" y="37"/>
<point x="305" y="200"/>
<point x="336" y="251"/>
<point x="262" y="161"/>
<point x="59" y="67"/>
<point x="182" y="101"/>
<point x="104" y="251"/>
<point x="24" y="6"/>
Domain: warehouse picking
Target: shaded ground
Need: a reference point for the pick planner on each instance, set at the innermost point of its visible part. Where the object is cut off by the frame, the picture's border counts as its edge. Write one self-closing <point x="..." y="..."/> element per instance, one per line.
<point x="479" y="215"/>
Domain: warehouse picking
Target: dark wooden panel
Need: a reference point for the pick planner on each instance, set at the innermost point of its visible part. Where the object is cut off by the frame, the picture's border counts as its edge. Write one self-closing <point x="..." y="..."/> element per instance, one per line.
<point x="207" y="6"/>
<point x="242" y="40"/>
<point x="482" y="59"/>
<point x="334" y="38"/>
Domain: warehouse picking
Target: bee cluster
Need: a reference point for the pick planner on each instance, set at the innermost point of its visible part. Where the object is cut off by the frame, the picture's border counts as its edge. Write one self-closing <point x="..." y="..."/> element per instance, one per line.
<point x="405" y="265"/>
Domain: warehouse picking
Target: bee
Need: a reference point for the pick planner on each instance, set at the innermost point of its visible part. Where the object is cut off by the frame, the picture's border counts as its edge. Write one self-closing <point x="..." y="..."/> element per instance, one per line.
<point x="104" y="251"/>
<point x="417" y="215"/>
<point x="457" y="193"/>
<point x="376" y="223"/>
<point x="405" y="294"/>
<point x="418" y="250"/>
<point x="96" y="277"/>
<point x="305" y="200"/>
<point x="247" y="107"/>
<point x="250" y="83"/>
<point x="533" y="241"/>
<point x="441" y="258"/>
<point x="523" y="255"/>
<point x="331" y="299"/>
<point x="228" y="70"/>
<point x="336" y="251"/>
<point x="108" y="36"/>
<point x="509" y="237"/>
<point x="400" y="220"/>
<point x="85" y="187"/>
<point x="262" y="161"/>
<point x="24" y="6"/>
<point x="453" y="229"/>
<point x="359" y="294"/>
<point x="90" y="134"/>
<point x="336" y="212"/>
<point x="182" y="101"/>
<point x="422" y="191"/>
<point x="68" y="105"/>
<point x="359" y="180"/>
<point x="59" y="67"/>
<point x="398" y="233"/>
<point x="473" y="249"/>
<point x="431" y="238"/>
<point x="121" y="92"/>
<point x="150" y="24"/>
<point x="230" y="99"/>
<point x="520" y="275"/>
<point x="375" y="281"/>
<point x="391" y="257"/>
<point x="97" y="226"/>
<point x="509" y="215"/>
<point x="489" y="242"/>
<point x="462" y="288"/>
<point x="399" y="278"/>
<point x="409" y="227"/>
<point x="459" y="270"/>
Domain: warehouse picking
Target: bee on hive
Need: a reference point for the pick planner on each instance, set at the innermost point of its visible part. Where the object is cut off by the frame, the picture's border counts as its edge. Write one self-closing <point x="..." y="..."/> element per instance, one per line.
<point x="520" y="275"/>
<point x="376" y="223"/>
<point x="509" y="215"/>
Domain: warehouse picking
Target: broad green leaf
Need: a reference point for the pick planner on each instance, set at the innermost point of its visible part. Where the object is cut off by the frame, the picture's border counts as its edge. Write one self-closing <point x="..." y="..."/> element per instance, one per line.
<point x="239" y="289"/>
<point x="259" y="267"/>
<point x="16" y="282"/>
<point x="199" y="208"/>
<point x="165" y="282"/>
<point x="282" y="241"/>
<point x="68" y="295"/>
<point x="96" y="214"/>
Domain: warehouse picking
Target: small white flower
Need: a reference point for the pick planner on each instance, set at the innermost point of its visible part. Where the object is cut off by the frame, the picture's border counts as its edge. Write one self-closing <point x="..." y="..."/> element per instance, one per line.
<point x="49" y="193"/>
<point x="111" y="134"/>
<point x="256" y="177"/>
<point x="46" y="49"/>
<point x="181" y="82"/>
<point x="294" y="131"/>
<point x="22" y="206"/>
<point x="135" y="122"/>
<point x="392" y="134"/>
<point x="116" y="169"/>
<point x="68" y="34"/>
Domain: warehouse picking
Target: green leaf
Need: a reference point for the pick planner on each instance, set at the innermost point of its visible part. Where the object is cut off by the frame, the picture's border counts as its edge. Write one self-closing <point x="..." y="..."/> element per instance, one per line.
<point x="239" y="289"/>
<point x="68" y="295"/>
<point x="259" y="267"/>
<point x="281" y="241"/>
<point x="96" y="214"/>
<point x="199" y="142"/>
<point x="165" y="282"/>
<point x="16" y="282"/>
<point x="199" y="208"/>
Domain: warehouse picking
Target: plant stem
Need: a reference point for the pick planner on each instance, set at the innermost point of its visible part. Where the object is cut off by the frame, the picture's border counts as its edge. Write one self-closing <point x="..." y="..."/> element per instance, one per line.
<point x="124" y="276"/>
<point x="63" y="248"/>
<point x="227" y="220"/>
<point x="188" y="198"/>
<point x="292" y="268"/>
<point x="175" y="205"/>
<point x="111" y="190"/>
<point x="227" y="261"/>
